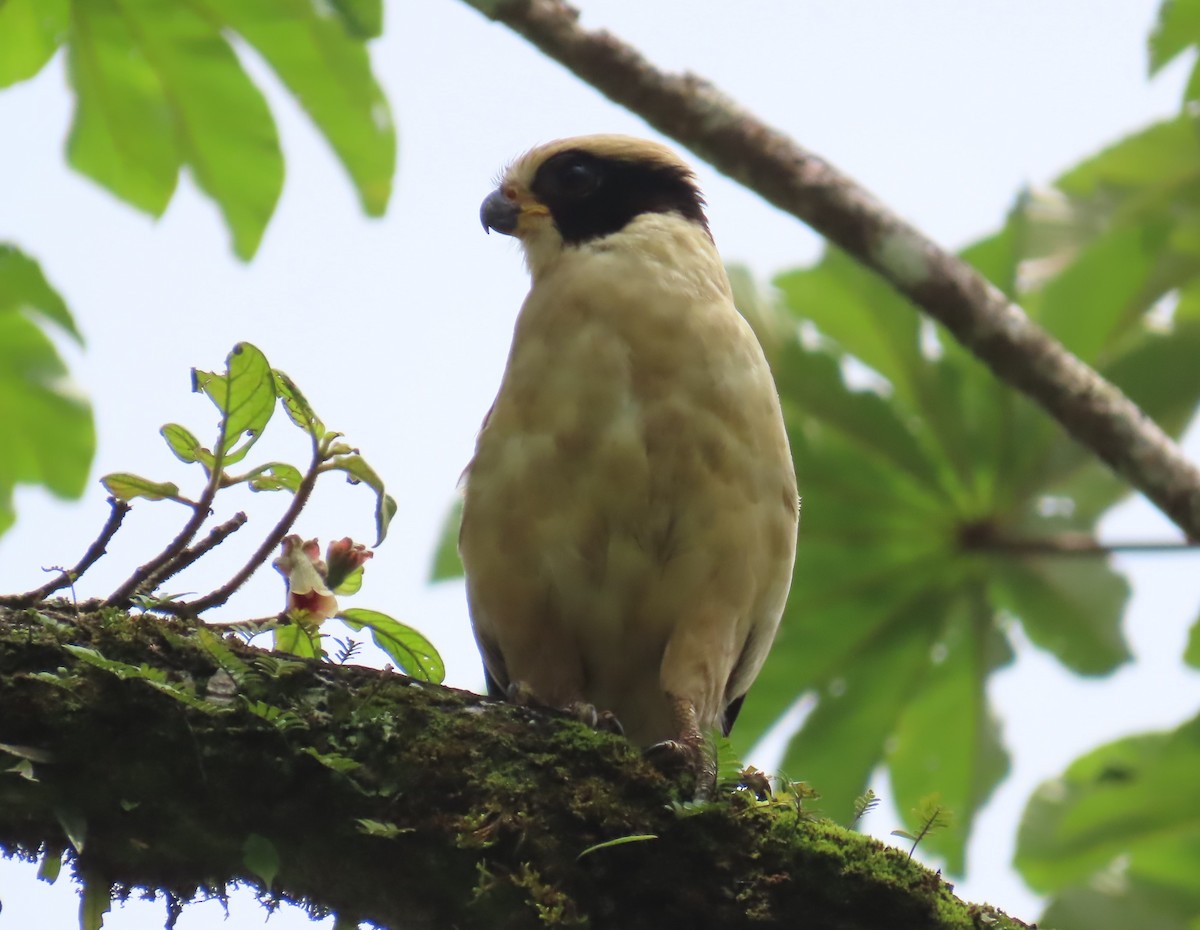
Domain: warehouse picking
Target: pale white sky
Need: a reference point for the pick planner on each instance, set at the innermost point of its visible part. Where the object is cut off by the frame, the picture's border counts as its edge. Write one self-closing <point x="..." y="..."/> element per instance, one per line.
<point x="397" y="329"/>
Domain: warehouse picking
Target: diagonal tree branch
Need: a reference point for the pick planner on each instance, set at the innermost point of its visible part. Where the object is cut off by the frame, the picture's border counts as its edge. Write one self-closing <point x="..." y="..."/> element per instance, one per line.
<point x="693" y="112"/>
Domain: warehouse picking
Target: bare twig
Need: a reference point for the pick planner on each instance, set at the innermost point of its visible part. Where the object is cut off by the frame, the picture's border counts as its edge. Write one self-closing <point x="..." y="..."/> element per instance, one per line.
<point x="1066" y="544"/>
<point x="270" y="544"/>
<point x="161" y="563"/>
<point x="68" y="577"/>
<point x="766" y="161"/>
<point x="215" y="537"/>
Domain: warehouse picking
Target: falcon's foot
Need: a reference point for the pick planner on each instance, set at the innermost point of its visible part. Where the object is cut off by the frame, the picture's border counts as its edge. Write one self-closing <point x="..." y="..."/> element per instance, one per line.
<point x="689" y="752"/>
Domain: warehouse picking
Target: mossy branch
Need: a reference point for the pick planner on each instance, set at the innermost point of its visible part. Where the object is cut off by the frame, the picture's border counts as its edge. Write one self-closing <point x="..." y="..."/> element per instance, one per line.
<point x="406" y="804"/>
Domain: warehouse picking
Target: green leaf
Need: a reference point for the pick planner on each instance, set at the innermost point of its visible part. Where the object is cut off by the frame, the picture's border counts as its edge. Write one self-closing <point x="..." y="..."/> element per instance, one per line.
<point x="50" y="866"/>
<point x="74" y="826"/>
<point x="1191" y="654"/>
<point x="411" y="651"/>
<point x="843" y="738"/>
<point x="619" y="841"/>
<point x="357" y="469"/>
<point x="49" y="435"/>
<point x="295" y="640"/>
<point x="184" y="445"/>
<point x="352" y="583"/>
<point x="95" y="901"/>
<point x="123" y="135"/>
<point x="863" y="315"/>
<point x="274" y="476"/>
<point x="30" y="33"/>
<point x="1123" y="820"/>
<point x="296" y="406"/>
<point x="326" y="67"/>
<point x="1115" y="899"/>
<point x="447" y="563"/>
<point x="1177" y="28"/>
<point x="362" y="18"/>
<point x="261" y="857"/>
<point x="245" y="395"/>
<point x="127" y="487"/>
<point x="947" y="740"/>
<point x="1071" y="607"/>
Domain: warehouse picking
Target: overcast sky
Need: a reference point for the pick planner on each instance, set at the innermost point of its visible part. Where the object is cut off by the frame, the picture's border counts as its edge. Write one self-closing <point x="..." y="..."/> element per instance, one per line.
<point x="397" y="330"/>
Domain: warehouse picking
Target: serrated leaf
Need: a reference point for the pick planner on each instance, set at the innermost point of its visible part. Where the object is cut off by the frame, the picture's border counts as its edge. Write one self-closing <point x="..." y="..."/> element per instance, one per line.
<point x="244" y="394"/>
<point x="261" y="857"/>
<point x="447" y="563"/>
<point x="327" y="69"/>
<point x="411" y="651"/>
<point x="296" y="405"/>
<point x="357" y="469"/>
<point x="380" y="829"/>
<point x="127" y="487"/>
<point x="274" y="476"/>
<point x="184" y="445"/>
<point x="332" y="760"/>
<point x="30" y="33"/>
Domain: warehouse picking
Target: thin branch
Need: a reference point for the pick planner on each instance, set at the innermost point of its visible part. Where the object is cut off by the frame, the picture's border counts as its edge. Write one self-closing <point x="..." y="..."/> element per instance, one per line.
<point x="119" y="509"/>
<point x="1080" y="544"/>
<point x="696" y="114"/>
<point x="161" y="563"/>
<point x="217" y="535"/>
<point x="270" y="544"/>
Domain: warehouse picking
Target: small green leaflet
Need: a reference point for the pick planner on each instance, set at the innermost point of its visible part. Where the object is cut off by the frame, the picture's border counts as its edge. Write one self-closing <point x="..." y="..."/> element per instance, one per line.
<point x="619" y="841"/>
<point x="274" y="476"/>
<point x="296" y="406"/>
<point x="127" y="487"/>
<point x="245" y="396"/>
<point x="261" y="857"/>
<point x="411" y="651"/>
<point x="184" y="445"/>
<point x="357" y="470"/>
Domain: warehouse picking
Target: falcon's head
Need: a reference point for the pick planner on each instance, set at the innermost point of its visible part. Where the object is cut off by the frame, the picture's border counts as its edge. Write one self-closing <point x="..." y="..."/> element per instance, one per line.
<point x="578" y="191"/>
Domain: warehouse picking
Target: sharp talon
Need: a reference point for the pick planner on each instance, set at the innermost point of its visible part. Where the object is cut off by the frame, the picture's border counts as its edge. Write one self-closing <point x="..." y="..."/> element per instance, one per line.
<point x="583" y="712"/>
<point x="521" y="694"/>
<point x="608" y="722"/>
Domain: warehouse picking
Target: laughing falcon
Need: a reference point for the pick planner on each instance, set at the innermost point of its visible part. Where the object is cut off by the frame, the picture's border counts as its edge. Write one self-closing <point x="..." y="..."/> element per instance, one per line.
<point x="630" y="513"/>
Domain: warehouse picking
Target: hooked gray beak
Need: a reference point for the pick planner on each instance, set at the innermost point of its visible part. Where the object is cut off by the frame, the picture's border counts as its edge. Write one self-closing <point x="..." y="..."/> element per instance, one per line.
<point x="499" y="213"/>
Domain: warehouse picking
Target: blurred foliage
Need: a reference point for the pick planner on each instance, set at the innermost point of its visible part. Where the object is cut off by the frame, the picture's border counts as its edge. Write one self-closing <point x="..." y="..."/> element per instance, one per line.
<point x="934" y="496"/>
<point x="1117" y="837"/>
<point x="160" y="86"/>
<point x="49" y="437"/>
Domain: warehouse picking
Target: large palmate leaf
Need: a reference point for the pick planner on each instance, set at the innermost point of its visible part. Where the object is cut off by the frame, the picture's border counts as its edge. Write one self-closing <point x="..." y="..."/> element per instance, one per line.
<point x="159" y="86"/>
<point x="1116" y="838"/>
<point x="49" y="437"/>
<point x="933" y="495"/>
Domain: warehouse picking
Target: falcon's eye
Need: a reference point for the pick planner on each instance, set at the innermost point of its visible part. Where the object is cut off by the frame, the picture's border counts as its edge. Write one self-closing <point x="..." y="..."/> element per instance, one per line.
<point x="578" y="179"/>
